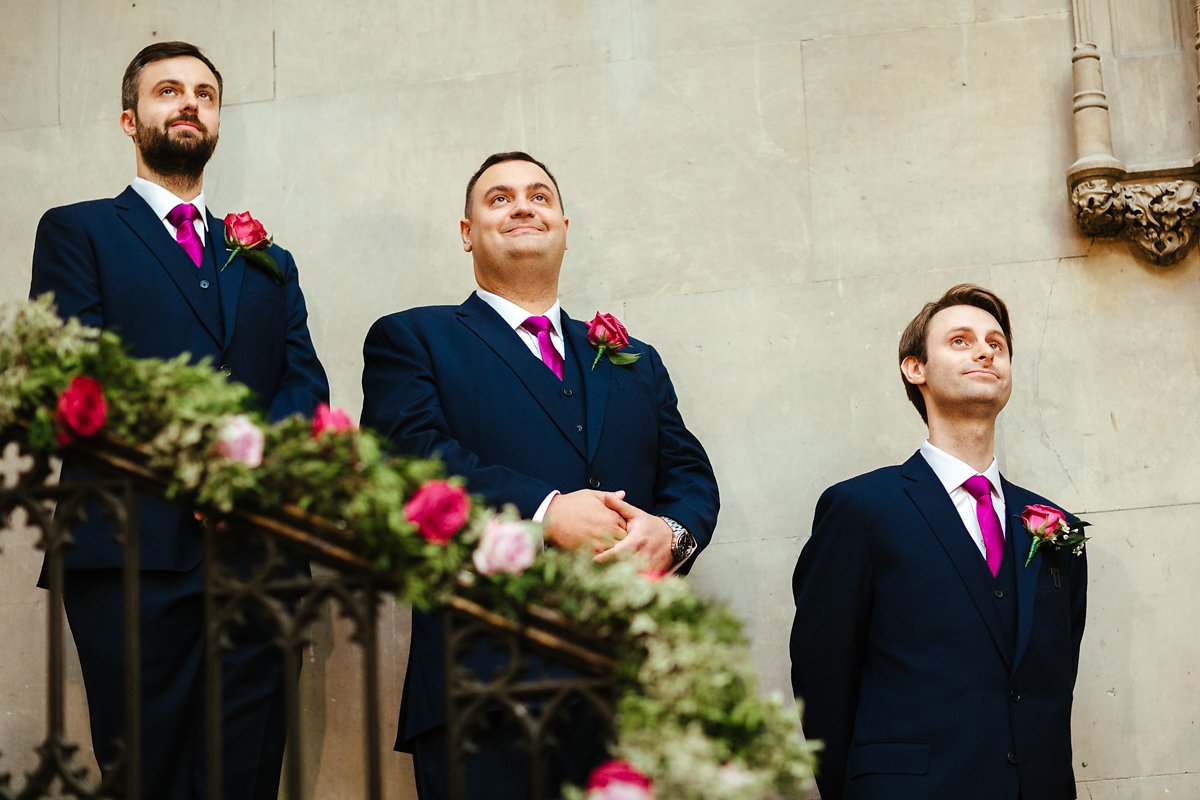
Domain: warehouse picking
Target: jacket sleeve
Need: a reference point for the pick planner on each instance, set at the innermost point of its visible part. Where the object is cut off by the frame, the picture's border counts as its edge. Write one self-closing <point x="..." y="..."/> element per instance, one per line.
<point x="64" y="263"/>
<point x="402" y="402"/>
<point x="303" y="383"/>
<point x="832" y="590"/>
<point x="685" y="487"/>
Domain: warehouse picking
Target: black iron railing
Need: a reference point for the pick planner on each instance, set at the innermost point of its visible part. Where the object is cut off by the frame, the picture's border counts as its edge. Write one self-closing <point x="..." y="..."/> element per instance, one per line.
<point x="283" y="604"/>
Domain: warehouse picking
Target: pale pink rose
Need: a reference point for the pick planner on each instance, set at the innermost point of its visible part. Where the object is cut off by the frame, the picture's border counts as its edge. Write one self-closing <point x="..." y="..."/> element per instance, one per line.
<point x="240" y="440"/>
<point x="439" y="510"/>
<point x="330" y="419"/>
<point x="734" y="777"/>
<point x="617" y="780"/>
<point x="1042" y="520"/>
<point x="506" y="546"/>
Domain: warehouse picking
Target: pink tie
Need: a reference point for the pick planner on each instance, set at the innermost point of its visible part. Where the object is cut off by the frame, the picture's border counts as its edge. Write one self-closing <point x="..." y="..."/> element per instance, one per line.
<point x="182" y="216"/>
<point x="980" y="488"/>
<point x="550" y="356"/>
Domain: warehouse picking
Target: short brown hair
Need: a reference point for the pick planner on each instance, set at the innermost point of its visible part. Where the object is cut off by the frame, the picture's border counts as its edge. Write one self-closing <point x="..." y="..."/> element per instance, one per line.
<point x="500" y="158"/>
<point x="161" y="51"/>
<point x="914" y="339"/>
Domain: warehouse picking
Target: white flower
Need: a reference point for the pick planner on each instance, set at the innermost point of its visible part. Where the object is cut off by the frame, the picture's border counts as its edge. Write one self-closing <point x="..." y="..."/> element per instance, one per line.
<point x="240" y="440"/>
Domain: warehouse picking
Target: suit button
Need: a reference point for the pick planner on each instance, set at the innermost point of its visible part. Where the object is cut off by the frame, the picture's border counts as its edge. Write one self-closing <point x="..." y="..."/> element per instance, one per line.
<point x="998" y="593"/>
<point x="1015" y="695"/>
<point x="579" y="428"/>
<point x="593" y="482"/>
<point x="568" y="393"/>
<point x="203" y="284"/>
<point x="226" y="370"/>
<point x="1012" y="759"/>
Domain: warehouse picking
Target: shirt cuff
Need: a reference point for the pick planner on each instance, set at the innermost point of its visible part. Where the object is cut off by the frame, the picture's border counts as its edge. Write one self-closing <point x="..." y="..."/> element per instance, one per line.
<point x="541" y="510"/>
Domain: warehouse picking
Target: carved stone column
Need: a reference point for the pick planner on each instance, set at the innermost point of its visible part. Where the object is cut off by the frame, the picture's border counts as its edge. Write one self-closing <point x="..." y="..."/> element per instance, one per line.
<point x="1157" y="209"/>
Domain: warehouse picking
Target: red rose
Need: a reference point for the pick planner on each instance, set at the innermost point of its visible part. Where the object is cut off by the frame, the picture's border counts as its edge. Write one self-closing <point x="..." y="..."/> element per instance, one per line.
<point x="81" y="409"/>
<point x="439" y="510"/>
<point x="1042" y="520"/>
<point x="245" y="232"/>
<point x="330" y="419"/>
<point x="606" y="330"/>
<point x="617" y="779"/>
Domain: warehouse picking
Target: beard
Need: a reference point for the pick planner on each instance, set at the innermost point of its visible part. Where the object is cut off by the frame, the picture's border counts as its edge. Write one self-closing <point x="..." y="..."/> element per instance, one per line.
<point x="183" y="157"/>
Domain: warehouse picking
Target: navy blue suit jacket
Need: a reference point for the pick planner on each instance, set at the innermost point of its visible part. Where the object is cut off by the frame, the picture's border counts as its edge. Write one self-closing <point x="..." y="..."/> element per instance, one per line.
<point x="458" y="383"/>
<point x="907" y="669"/>
<point x="112" y="264"/>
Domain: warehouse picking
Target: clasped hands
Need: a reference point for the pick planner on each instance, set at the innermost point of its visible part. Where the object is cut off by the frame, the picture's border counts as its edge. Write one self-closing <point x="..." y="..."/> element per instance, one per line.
<point x="608" y="526"/>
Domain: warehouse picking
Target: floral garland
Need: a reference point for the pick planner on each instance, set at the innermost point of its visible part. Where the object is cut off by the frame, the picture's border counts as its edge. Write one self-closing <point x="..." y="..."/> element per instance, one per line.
<point x="691" y="724"/>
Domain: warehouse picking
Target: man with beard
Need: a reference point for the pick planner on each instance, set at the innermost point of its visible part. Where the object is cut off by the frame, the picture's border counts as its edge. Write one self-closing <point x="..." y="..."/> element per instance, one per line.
<point x="151" y="265"/>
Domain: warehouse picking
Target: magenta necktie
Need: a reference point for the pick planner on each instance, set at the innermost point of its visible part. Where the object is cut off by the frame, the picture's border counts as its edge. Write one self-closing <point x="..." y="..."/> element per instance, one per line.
<point x="550" y="356"/>
<point x="182" y="216"/>
<point x="980" y="488"/>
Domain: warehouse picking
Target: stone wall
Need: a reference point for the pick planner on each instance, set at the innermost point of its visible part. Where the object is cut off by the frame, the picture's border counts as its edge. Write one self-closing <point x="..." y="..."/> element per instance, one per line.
<point x="767" y="190"/>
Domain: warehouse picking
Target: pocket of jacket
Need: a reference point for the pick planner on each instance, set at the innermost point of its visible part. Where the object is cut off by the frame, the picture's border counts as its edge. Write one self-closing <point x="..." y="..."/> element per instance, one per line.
<point x="898" y="758"/>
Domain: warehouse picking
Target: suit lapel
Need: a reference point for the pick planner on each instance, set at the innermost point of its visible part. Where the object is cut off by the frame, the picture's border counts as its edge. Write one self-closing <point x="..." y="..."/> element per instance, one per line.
<point x="140" y="218"/>
<point x="929" y="496"/>
<point x="229" y="280"/>
<point x="596" y="380"/>
<point x="1015" y="500"/>
<point x="540" y="382"/>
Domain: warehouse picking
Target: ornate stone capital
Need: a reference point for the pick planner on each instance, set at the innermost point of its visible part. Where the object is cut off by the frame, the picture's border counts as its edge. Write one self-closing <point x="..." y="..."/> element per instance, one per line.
<point x="1158" y="219"/>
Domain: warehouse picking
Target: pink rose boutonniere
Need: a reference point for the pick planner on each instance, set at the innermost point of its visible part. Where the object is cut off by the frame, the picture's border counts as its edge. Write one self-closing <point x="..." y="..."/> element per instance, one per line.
<point x="617" y="780"/>
<point x="82" y="409"/>
<point x="1049" y="528"/>
<point x="438" y="509"/>
<point x="246" y="235"/>
<point x="606" y="333"/>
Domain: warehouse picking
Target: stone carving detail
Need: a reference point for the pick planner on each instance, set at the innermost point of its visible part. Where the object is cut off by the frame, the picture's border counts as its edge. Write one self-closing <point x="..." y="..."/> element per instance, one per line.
<point x="1158" y="219"/>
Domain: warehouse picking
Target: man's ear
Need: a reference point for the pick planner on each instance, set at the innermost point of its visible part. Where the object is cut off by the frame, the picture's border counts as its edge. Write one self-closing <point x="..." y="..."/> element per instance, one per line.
<point x="464" y="231"/>
<point x="129" y="122"/>
<point x="913" y="370"/>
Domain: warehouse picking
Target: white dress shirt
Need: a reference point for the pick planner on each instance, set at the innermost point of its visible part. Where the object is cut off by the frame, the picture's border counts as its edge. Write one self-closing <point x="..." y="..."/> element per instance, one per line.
<point x="162" y="200"/>
<point x="515" y="317"/>
<point x="952" y="472"/>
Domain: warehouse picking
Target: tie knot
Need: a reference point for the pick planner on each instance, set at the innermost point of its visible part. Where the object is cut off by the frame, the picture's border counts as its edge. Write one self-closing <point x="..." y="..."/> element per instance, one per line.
<point x="536" y="324"/>
<point x="184" y="212"/>
<point x="978" y="487"/>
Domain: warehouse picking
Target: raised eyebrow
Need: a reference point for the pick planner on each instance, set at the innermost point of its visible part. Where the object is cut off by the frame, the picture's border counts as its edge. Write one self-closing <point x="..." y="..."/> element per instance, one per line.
<point x="541" y="187"/>
<point x="501" y="189"/>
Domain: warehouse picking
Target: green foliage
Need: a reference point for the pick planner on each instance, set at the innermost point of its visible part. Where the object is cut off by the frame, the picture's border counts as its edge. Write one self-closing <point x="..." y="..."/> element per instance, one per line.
<point x="690" y="714"/>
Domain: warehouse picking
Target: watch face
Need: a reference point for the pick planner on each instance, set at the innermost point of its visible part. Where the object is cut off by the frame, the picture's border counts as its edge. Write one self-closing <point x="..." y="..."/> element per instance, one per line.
<point x="684" y="546"/>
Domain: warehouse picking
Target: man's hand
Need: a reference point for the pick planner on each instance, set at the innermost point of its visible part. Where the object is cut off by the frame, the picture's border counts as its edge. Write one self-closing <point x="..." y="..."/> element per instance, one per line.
<point x="647" y="537"/>
<point x="583" y="519"/>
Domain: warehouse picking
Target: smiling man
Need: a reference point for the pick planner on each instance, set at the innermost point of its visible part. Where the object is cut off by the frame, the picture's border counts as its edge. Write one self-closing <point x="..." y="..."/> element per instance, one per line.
<point x="507" y="390"/>
<point x="148" y="266"/>
<point x="932" y="661"/>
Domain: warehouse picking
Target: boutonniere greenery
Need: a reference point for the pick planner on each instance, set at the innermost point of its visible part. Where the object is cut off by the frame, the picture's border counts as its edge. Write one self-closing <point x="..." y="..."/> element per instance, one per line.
<point x="246" y="235"/>
<point x="606" y="333"/>
<point x="1049" y="528"/>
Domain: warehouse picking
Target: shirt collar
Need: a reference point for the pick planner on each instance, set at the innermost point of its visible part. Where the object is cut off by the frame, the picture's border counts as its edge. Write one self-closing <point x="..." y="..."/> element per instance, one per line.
<point x="161" y="200"/>
<point x="515" y="316"/>
<point x="952" y="471"/>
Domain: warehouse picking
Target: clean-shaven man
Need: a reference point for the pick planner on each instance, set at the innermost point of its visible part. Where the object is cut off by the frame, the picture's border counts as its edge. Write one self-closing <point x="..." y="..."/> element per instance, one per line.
<point x="147" y="265"/>
<point x="506" y="389"/>
<point x="932" y="661"/>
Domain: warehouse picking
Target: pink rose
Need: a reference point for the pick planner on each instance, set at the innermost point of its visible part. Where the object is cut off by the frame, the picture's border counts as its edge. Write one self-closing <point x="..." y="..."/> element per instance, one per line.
<point x="330" y="419"/>
<point x="439" y="510"/>
<point x="1043" y="521"/>
<point x="245" y="232"/>
<point x="617" y="780"/>
<point x="607" y="330"/>
<point x="82" y="409"/>
<point x="506" y="546"/>
<point x="240" y="440"/>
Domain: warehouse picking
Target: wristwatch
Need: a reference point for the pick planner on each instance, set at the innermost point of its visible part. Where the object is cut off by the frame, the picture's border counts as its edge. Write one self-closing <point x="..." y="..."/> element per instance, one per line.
<point x="684" y="544"/>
